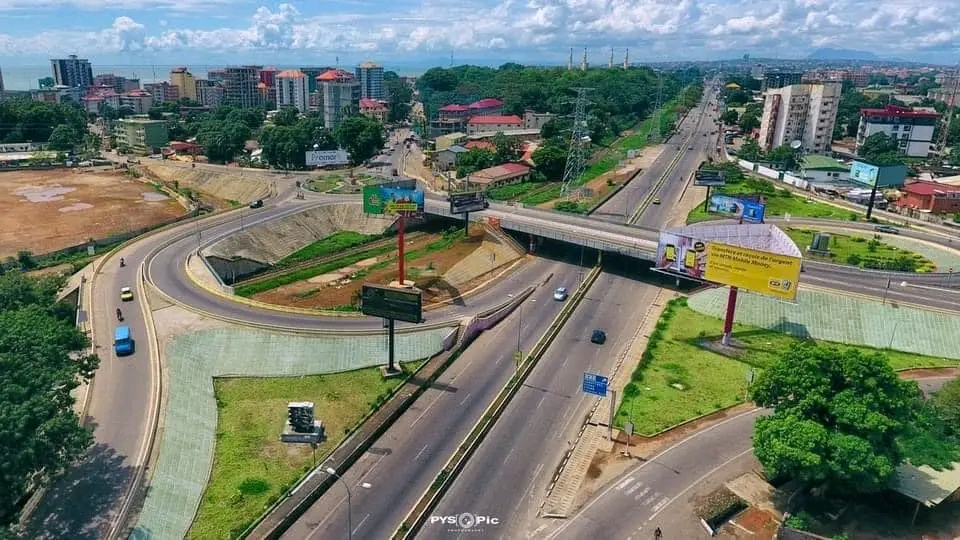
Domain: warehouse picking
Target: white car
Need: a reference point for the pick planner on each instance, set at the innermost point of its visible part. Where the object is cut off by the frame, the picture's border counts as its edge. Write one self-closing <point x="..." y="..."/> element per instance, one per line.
<point x="560" y="294"/>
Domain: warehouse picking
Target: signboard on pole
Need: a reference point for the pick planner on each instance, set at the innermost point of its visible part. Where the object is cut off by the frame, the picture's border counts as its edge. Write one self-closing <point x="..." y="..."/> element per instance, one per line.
<point x="864" y="173"/>
<point x="401" y="304"/>
<point x="319" y="158"/>
<point x="709" y="178"/>
<point x="681" y="255"/>
<point x="749" y="211"/>
<point x="392" y="199"/>
<point x="595" y="384"/>
<point x="758" y="271"/>
<point x="464" y="203"/>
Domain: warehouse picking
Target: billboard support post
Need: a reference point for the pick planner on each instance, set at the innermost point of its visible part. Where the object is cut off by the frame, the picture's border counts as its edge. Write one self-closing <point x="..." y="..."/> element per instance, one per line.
<point x="400" y="264"/>
<point x="728" y="320"/>
<point x="391" y="358"/>
<point x="706" y="202"/>
<point x="873" y="195"/>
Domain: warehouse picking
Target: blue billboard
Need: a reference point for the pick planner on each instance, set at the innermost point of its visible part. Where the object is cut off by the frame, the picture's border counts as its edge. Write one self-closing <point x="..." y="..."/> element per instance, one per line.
<point x="864" y="173"/>
<point x="749" y="211"/>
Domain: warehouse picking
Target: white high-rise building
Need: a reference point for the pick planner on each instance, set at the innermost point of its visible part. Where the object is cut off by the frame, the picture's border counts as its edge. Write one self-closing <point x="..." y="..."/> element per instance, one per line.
<point x="339" y="92"/>
<point x="912" y="128"/>
<point x="800" y="112"/>
<point x="291" y="88"/>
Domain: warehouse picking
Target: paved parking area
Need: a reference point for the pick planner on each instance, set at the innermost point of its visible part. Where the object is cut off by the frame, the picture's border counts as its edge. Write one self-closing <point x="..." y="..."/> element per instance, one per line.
<point x="842" y="319"/>
<point x="187" y="441"/>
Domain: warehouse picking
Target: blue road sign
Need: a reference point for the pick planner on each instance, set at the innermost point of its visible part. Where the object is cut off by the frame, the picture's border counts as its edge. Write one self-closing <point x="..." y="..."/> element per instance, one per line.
<point x="595" y="384"/>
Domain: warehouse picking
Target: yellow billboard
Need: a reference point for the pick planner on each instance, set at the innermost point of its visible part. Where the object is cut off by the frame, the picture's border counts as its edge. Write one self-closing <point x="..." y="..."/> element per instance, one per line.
<point x="761" y="272"/>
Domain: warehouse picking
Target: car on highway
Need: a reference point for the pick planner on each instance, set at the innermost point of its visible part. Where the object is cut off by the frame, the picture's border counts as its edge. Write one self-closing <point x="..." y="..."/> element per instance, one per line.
<point x="887" y="229"/>
<point x="560" y="294"/>
<point x="257" y="204"/>
<point x="126" y="294"/>
<point x="656" y="201"/>
<point x="598" y="336"/>
<point x="123" y="343"/>
<point x="690" y="148"/>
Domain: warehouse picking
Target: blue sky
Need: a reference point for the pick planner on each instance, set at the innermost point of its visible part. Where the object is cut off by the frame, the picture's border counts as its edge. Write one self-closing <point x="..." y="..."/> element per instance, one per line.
<point x="426" y="32"/>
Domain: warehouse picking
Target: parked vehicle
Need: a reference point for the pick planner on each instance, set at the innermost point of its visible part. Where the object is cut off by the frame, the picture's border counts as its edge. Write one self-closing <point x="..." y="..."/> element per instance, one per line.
<point x="123" y="343"/>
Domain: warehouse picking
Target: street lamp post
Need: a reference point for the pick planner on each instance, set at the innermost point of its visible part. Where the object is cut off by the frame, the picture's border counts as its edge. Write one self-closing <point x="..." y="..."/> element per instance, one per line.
<point x="333" y="472"/>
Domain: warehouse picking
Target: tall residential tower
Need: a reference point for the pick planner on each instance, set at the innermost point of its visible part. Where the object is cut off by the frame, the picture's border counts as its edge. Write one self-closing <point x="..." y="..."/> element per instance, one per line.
<point x="72" y="72"/>
<point x="370" y="77"/>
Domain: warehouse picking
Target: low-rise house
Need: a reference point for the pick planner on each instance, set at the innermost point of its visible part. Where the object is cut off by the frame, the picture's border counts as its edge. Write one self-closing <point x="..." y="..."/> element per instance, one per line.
<point x="817" y="168"/>
<point x="499" y="176"/>
<point x="492" y="124"/>
<point x="447" y="158"/>
<point x="930" y="197"/>
<point x="374" y="109"/>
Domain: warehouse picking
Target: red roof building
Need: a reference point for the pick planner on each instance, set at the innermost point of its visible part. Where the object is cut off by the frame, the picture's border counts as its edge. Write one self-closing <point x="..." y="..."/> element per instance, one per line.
<point x="486" y="104"/>
<point x="482" y="145"/>
<point x="335" y="75"/>
<point x="911" y="128"/>
<point x="895" y="111"/>
<point x="374" y="109"/>
<point x="501" y="175"/>
<point x="454" y="112"/>
<point x="492" y="124"/>
<point x="933" y="197"/>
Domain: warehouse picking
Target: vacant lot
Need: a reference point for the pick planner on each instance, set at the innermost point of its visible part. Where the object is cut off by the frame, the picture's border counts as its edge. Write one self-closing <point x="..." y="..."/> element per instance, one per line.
<point x="44" y="211"/>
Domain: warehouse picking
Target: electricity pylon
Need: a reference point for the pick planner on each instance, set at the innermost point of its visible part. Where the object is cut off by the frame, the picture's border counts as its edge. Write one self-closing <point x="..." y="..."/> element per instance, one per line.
<point x="579" y="142"/>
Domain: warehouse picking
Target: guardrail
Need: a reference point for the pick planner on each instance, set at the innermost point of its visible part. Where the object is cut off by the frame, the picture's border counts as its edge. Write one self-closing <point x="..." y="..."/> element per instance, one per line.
<point x="431" y="498"/>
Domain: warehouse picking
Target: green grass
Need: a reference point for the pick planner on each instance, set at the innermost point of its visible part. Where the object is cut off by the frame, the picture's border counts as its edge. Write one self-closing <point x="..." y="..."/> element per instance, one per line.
<point x="863" y="252"/>
<point x="322" y="184"/>
<point x="513" y="191"/>
<point x="709" y="381"/>
<point x="309" y="272"/>
<point x="251" y="467"/>
<point x="541" y="196"/>
<point x="779" y="202"/>
<point x="336" y="242"/>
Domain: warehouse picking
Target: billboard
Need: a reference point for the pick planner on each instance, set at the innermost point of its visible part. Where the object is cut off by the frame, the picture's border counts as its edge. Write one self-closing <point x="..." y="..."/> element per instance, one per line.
<point x="319" y="158"/>
<point x="765" y="273"/>
<point x="709" y="178"/>
<point x="864" y="173"/>
<point x="679" y="254"/>
<point x="399" y="304"/>
<point x="392" y="199"/>
<point x="749" y="211"/>
<point x="463" y="203"/>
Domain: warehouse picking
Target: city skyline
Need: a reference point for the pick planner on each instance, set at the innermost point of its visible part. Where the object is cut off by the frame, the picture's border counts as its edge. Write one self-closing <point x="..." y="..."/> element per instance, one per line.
<point x="427" y="33"/>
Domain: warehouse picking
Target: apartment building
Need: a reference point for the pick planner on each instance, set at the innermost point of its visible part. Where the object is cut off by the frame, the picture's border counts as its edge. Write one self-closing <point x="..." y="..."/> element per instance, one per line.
<point x="800" y="112"/>
<point x="73" y="72"/>
<point x="375" y="109"/>
<point x="240" y="86"/>
<point x="268" y="77"/>
<point x="912" y="128"/>
<point x="209" y="93"/>
<point x="141" y="135"/>
<point x="139" y="101"/>
<point x="185" y="82"/>
<point x="339" y="90"/>
<point x="163" y="92"/>
<point x="119" y="83"/>
<point x="290" y="89"/>
<point x="772" y="80"/>
<point x="370" y="77"/>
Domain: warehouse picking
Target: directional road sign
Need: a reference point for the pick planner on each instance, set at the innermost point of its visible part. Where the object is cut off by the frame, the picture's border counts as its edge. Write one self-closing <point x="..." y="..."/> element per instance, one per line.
<point x="595" y="384"/>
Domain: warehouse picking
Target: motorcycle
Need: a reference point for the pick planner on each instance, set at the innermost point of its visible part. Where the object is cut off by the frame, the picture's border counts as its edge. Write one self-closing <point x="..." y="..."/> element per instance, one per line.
<point x="122" y="264"/>
<point x="119" y="315"/>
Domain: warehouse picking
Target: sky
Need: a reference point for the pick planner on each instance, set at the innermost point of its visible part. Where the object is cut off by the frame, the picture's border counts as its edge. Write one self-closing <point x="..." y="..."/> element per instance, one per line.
<point x="422" y="33"/>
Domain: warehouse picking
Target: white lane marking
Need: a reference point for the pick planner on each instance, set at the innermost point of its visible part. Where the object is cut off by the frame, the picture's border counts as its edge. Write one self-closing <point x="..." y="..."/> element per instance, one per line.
<point x="422" y="450"/>
<point x="571" y="417"/>
<point x="362" y="521"/>
<point x="465" y="398"/>
<point x="636" y="487"/>
<point x="626" y="482"/>
<point x="541" y="401"/>
<point x="499" y="359"/>
<point x="436" y="399"/>
<point x="701" y="479"/>
<point x="649" y="461"/>
<point x="659" y="506"/>
<point x="536" y="474"/>
<point x="510" y="453"/>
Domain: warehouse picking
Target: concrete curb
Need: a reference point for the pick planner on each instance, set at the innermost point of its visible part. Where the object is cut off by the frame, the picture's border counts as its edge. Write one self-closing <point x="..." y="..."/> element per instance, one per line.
<point x="848" y="294"/>
<point x="429" y="500"/>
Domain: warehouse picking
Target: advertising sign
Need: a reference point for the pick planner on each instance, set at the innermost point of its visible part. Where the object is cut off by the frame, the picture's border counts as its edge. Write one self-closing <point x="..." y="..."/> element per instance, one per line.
<point x="864" y="173"/>
<point x="392" y="199"/>
<point x="392" y="303"/>
<point x="463" y="203"/>
<point x="709" y="178"/>
<point x="681" y="255"/>
<point x="761" y="272"/>
<point x="749" y="211"/>
<point x="319" y="158"/>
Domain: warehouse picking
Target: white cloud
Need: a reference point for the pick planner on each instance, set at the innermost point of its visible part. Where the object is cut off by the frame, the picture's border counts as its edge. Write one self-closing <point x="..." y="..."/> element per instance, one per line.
<point x="127" y="5"/>
<point x="677" y="28"/>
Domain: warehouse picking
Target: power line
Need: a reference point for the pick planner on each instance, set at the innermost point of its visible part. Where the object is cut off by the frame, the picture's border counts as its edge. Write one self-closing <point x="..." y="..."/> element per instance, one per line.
<point x="576" y="154"/>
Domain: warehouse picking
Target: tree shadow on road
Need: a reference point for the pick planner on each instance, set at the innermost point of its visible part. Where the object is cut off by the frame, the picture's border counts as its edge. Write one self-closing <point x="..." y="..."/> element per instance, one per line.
<point x="81" y="503"/>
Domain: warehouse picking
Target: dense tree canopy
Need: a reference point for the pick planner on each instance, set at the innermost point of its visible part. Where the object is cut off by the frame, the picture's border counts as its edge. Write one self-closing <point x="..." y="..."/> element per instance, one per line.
<point x="474" y="160"/>
<point x="399" y="96"/>
<point x="39" y="432"/>
<point x="361" y="136"/>
<point x="837" y="416"/>
<point x="619" y="100"/>
<point x="784" y="157"/>
<point x="23" y="120"/>
<point x="551" y="159"/>
<point x="880" y="149"/>
<point x="285" y="144"/>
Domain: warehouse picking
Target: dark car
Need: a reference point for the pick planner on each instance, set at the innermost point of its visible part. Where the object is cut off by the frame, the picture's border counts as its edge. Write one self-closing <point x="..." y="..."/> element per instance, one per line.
<point x="887" y="229"/>
<point x="598" y="336"/>
<point x="257" y="204"/>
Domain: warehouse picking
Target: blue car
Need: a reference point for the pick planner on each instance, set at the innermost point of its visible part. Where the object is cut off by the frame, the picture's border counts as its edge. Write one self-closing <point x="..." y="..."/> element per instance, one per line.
<point x="123" y="343"/>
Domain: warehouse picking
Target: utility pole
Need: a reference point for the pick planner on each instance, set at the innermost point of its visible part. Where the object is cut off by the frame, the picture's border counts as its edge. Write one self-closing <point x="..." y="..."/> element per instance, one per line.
<point x="576" y="154"/>
<point x="655" y="130"/>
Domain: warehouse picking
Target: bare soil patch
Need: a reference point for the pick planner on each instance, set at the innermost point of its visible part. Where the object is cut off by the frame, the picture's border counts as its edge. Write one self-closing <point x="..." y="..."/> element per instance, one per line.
<point x="45" y="211"/>
<point x="425" y="271"/>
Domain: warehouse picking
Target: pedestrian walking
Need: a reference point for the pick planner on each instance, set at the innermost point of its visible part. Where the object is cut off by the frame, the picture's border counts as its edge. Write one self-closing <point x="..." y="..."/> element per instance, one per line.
<point x="657" y="534"/>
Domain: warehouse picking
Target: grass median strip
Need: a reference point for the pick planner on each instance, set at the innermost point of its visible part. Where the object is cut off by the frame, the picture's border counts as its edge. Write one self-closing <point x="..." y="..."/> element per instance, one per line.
<point x="862" y="252"/>
<point x="334" y="243"/>
<point x="678" y="380"/>
<point x="252" y="467"/>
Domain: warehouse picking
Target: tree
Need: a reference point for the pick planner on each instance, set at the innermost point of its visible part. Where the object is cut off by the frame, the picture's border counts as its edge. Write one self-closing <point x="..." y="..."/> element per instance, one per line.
<point x="361" y="136"/>
<point x="784" y="157"/>
<point x="837" y="416"/>
<point x="286" y="116"/>
<point x="946" y="403"/>
<point x="64" y="138"/>
<point x="474" y="160"/>
<point x="40" y="364"/>
<point x="23" y="120"/>
<point x="399" y="96"/>
<point x="221" y="141"/>
<point x="554" y="127"/>
<point x="551" y="159"/>
<point x="876" y="145"/>
<point x="730" y="117"/>
<point x="155" y="113"/>
<point x="750" y="150"/>
<point x="507" y="149"/>
<point x="749" y="122"/>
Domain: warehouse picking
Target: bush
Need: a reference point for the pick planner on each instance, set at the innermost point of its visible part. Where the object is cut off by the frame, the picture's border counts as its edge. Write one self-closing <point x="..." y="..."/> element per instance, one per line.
<point x="853" y="259"/>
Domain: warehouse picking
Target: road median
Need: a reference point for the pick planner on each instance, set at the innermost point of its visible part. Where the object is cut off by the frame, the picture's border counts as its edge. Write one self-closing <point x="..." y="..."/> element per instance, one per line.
<point x="429" y="500"/>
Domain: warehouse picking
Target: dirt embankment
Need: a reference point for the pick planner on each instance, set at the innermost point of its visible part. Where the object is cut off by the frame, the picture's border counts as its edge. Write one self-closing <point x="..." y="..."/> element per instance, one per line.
<point x="222" y="185"/>
<point x="45" y="211"/>
<point x="271" y="241"/>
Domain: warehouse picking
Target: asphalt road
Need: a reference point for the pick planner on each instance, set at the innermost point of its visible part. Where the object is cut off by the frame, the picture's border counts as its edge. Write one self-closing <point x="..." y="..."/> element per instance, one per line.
<point x="508" y="475"/>
<point x="412" y="452"/>
<point x="637" y="498"/>
<point x="84" y="502"/>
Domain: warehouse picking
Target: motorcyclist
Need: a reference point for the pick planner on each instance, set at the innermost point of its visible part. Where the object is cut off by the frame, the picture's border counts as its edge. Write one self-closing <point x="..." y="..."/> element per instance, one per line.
<point x="122" y="264"/>
<point x="119" y="315"/>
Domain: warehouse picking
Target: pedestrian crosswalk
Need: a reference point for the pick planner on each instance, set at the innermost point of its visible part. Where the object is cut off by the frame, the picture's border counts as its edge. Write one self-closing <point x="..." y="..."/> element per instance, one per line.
<point x="644" y="496"/>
